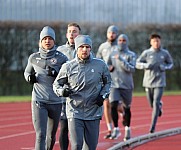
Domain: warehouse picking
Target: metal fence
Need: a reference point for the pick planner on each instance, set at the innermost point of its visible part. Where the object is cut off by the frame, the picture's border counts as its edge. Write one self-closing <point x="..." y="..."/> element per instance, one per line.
<point x="19" y="39"/>
<point x="123" y="12"/>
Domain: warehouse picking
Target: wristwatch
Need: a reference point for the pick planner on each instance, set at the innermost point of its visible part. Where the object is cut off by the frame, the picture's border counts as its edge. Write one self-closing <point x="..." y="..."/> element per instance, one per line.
<point x="106" y="95"/>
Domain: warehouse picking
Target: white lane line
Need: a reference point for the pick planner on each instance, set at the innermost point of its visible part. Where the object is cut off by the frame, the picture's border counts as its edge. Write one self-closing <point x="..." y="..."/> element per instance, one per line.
<point x="16" y="135"/>
<point x="14" y="118"/>
<point x="13" y="125"/>
<point x="7" y="114"/>
<point x="28" y="148"/>
<point x="32" y="148"/>
<point x="143" y="118"/>
<point x="146" y="125"/>
<point x="159" y="123"/>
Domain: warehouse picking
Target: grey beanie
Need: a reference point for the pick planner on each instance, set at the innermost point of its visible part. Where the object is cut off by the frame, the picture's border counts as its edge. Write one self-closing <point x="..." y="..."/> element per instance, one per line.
<point x="124" y="36"/>
<point x="112" y="28"/>
<point x="47" y="31"/>
<point x="81" y="40"/>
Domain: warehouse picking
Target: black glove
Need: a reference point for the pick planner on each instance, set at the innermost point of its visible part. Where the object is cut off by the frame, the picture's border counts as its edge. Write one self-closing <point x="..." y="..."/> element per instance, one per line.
<point x="148" y="66"/>
<point x="66" y="92"/>
<point x="99" y="100"/>
<point x="162" y="67"/>
<point x="111" y="68"/>
<point x="32" y="78"/>
<point x="52" y="72"/>
<point x="63" y="112"/>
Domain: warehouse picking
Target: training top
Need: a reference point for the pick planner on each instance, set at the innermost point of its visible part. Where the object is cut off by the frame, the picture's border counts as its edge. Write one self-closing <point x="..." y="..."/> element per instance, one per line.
<point x="154" y="62"/>
<point x="68" y="50"/>
<point x="39" y="63"/>
<point x="124" y="67"/>
<point x="86" y="79"/>
<point x="105" y="50"/>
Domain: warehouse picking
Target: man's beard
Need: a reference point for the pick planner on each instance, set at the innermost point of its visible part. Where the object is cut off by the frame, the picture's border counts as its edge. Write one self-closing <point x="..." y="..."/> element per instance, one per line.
<point x="111" y="40"/>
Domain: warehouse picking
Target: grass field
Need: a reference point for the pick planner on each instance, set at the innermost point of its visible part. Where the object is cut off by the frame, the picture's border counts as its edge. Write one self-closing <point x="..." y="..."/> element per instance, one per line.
<point x="15" y="98"/>
<point x="28" y="98"/>
<point x="165" y="93"/>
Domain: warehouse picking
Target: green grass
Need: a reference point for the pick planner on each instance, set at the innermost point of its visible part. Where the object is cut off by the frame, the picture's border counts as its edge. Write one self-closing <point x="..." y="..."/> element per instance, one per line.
<point x="28" y="98"/>
<point x="166" y="93"/>
<point x="15" y="98"/>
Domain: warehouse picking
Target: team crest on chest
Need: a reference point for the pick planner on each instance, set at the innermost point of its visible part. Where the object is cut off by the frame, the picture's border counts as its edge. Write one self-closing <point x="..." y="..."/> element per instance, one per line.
<point x="38" y="60"/>
<point x="53" y="61"/>
<point x="151" y="56"/>
<point x="104" y="50"/>
<point x="162" y="57"/>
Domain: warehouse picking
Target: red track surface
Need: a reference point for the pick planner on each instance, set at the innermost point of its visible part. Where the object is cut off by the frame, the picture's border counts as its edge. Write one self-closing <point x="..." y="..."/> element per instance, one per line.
<point x="17" y="133"/>
<point x="167" y="143"/>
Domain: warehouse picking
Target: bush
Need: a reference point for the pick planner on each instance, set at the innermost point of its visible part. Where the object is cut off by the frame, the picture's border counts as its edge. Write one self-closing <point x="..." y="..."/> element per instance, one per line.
<point x="19" y="39"/>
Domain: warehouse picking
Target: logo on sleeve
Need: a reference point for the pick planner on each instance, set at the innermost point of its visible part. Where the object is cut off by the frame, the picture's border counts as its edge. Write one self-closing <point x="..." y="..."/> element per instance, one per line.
<point x="53" y="61"/>
<point x="92" y="70"/>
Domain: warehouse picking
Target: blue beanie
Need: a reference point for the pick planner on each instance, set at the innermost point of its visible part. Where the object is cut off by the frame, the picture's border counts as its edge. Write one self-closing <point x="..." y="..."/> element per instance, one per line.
<point x="47" y="31"/>
<point x="81" y="40"/>
<point x="112" y="28"/>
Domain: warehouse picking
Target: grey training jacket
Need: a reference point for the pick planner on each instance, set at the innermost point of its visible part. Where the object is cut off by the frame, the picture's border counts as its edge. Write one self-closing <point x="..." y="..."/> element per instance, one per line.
<point x="124" y="66"/>
<point x="105" y="50"/>
<point x="39" y="62"/>
<point x="67" y="50"/>
<point x="154" y="63"/>
<point x="86" y="79"/>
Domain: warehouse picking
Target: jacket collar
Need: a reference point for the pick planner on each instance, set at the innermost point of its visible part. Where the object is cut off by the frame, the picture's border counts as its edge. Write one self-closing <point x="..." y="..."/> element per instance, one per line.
<point x="85" y="60"/>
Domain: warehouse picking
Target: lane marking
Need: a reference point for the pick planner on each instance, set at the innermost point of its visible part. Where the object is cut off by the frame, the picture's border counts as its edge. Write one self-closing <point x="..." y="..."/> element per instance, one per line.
<point x="28" y="148"/>
<point x="16" y="135"/>
<point x="32" y="148"/>
<point x="148" y="124"/>
<point x="14" y="125"/>
<point x="15" y="118"/>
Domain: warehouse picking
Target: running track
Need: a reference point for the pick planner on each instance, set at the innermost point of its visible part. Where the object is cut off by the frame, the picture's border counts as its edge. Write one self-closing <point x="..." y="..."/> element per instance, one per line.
<point x="17" y="133"/>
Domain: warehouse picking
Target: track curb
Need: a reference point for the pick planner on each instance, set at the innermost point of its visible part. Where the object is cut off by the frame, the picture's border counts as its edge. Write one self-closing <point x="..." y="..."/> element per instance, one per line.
<point x="136" y="141"/>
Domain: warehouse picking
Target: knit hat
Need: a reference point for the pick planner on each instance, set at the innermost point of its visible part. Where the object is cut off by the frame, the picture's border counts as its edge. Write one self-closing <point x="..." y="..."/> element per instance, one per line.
<point x="81" y="40"/>
<point x="47" y="31"/>
<point x="112" y="28"/>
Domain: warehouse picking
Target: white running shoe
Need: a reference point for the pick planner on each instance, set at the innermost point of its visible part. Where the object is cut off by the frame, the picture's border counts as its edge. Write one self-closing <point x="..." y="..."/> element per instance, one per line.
<point x="115" y="134"/>
<point x="127" y="134"/>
